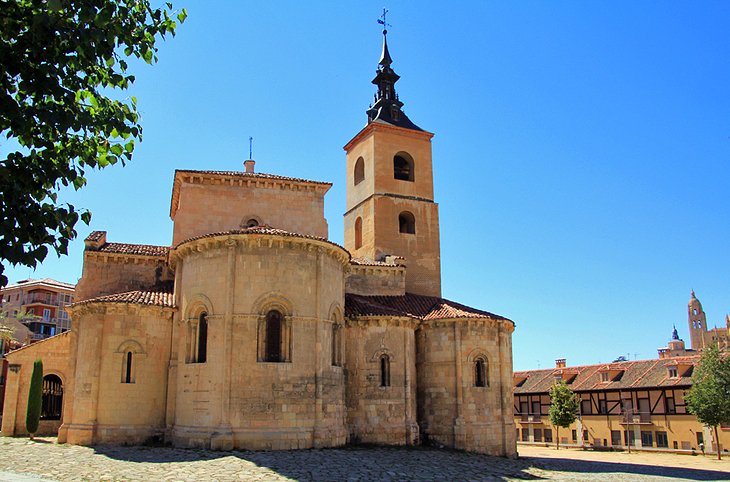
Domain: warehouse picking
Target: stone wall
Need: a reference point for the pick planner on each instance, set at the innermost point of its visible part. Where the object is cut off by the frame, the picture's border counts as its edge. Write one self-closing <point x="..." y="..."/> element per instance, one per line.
<point x="453" y="411"/>
<point x="108" y="407"/>
<point x="374" y="280"/>
<point x="377" y="411"/>
<point x="54" y="352"/>
<point x="236" y="398"/>
<point x="108" y="273"/>
<point x="208" y="203"/>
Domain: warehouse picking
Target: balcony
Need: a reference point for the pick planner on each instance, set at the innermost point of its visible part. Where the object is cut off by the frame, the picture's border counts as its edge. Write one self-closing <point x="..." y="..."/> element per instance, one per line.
<point x="44" y="298"/>
<point x="530" y="418"/>
<point x="636" y="418"/>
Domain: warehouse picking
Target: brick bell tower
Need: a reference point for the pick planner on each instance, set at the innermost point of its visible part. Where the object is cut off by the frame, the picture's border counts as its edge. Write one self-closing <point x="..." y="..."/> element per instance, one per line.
<point x="697" y="322"/>
<point x="390" y="204"/>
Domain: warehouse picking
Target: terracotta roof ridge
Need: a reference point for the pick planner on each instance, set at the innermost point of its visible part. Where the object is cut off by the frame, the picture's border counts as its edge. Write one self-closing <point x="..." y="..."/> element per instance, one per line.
<point x="263" y="229"/>
<point x="256" y="175"/>
<point x="164" y="288"/>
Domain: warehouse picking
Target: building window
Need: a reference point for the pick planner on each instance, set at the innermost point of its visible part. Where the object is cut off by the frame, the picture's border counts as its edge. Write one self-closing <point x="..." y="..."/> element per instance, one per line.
<point x="548" y="433"/>
<point x="273" y="336"/>
<point x="646" y="439"/>
<point x="406" y="223"/>
<point x="537" y="434"/>
<point x="480" y="373"/>
<point x="403" y="167"/>
<point x="671" y="408"/>
<point x="661" y="440"/>
<point x="46" y="314"/>
<point x="673" y="372"/>
<point x="574" y="436"/>
<point x="127" y="374"/>
<point x="336" y="345"/>
<point x="384" y="371"/>
<point x="586" y="407"/>
<point x="602" y="407"/>
<point x="694" y="311"/>
<point x="358" y="233"/>
<point x="52" y="398"/>
<point x="198" y="339"/>
<point x="359" y="175"/>
<point x="615" y="438"/>
<point x="525" y="435"/>
<point x="585" y="435"/>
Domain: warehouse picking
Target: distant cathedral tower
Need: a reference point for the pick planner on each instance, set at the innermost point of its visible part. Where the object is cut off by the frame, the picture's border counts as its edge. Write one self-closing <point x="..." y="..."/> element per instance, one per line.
<point x="390" y="202"/>
<point x="697" y="322"/>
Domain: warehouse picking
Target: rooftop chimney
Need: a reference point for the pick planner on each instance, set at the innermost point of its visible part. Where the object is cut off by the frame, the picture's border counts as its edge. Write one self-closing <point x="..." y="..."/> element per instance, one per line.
<point x="560" y="363"/>
<point x="249" y="165"/>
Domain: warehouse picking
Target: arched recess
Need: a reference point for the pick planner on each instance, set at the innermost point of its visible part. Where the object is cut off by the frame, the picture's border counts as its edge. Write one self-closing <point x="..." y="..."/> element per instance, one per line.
<point x="403" y="167"/>
<point x="250" y="221"/>
<point x="479" y="368"/>
<point x="337" y="339"/>
<point x="197" y="320"/>
<point x="274" y="330"/>
<point x="358" y="233"/>
<point x="52" y="403"/>
<point x="359" y="171"/>
<point x="407" y="223"/>
<point x="129" y="354"/>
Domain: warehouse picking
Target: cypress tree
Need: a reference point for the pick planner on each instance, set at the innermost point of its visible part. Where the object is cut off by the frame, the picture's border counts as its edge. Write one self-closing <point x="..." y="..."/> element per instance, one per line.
<point x="35" y="399"/>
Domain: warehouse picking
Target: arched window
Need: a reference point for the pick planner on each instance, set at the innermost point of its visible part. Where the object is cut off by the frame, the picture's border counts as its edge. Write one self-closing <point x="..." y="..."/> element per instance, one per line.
<point x="480" y="372"/>
<point x="358" y="233"/>
<point x="198" y="339"/>
<point x="273" y="336"/>
<point x="127" y="368"/>
<point x="359" y="174"/>
<point x="52" y="398"/>
<point x="202" y="338"/>
<point x="336" y="345"/>
<point x="406" y="223"/>
<point x="403" y="167"/>
<point x="384" y="371"/>
<point x="252" y="223"/>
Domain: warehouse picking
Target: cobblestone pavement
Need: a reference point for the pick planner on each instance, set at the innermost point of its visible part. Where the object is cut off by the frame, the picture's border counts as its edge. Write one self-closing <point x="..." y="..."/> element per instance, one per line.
<point x="44" y="460"/>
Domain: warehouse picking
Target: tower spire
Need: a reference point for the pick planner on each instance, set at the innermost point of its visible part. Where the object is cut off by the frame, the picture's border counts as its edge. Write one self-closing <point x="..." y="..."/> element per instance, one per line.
<point x="387" y="106"/>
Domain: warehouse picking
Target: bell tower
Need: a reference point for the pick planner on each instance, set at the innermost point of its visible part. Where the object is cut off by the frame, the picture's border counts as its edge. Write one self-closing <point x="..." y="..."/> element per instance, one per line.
<point x="390" y="202"/>
<point x="697" y="322"/>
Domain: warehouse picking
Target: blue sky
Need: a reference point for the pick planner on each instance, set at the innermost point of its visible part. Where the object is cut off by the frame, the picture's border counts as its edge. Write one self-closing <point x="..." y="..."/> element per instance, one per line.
<point x="581" y="155"/>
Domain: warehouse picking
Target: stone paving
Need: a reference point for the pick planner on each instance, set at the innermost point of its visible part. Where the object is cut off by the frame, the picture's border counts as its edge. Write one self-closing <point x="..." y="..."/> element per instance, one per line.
<point x="44" y="460"/>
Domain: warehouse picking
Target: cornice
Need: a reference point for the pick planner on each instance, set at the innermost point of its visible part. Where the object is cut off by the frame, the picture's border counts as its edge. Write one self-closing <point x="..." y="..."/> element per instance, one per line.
<point x="373" y="127"/>
<point x="245" y="241"/>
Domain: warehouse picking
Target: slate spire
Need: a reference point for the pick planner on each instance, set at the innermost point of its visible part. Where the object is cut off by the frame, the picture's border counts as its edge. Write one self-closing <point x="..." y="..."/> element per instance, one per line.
<point x="387" y="106"/>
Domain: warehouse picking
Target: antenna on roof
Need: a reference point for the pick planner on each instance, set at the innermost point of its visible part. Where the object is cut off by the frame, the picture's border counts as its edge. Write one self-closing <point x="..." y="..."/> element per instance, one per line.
<point x="250" y="147"/>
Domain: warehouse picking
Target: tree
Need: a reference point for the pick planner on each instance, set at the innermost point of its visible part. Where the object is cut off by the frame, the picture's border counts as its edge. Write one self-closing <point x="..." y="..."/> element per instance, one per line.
<point x="35" y="399"/>
<point x="59" y="62"/>
<point x="709" y="397"/>
<point x="563" y="408"/>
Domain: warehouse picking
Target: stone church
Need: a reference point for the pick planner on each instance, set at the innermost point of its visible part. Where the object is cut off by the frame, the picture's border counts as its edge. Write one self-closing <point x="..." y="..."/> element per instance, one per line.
<point x="253" y="330"/>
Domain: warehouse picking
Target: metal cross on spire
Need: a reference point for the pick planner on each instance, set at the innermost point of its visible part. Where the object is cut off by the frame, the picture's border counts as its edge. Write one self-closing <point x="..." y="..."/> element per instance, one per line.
<point x="382" y="21"/>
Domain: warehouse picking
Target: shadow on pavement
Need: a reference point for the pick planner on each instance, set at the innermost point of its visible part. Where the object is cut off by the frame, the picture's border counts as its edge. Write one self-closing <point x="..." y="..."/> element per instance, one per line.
<point x="595" y="467"/>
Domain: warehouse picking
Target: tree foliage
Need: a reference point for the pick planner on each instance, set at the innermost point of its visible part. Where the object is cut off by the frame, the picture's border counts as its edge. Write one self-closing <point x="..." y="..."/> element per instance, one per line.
<point x="563" y="408"/>
<point x="709" y="397"/>
<point x="59" y="62"/>
<point x="35" y="399"/>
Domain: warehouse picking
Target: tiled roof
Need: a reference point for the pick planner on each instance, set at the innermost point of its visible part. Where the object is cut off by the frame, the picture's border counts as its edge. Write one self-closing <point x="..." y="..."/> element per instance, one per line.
<point x="161" y="295"/>
<point x="95" y="236"/>
<point x="633" y="374"/>
<point x="45" y="281"/>
<point x="415" y="306"/>
<point x="137" y="249"/>
<point x="369" y="262"/>
<point x="253" y="175"/>
<point x="261" y="230"/>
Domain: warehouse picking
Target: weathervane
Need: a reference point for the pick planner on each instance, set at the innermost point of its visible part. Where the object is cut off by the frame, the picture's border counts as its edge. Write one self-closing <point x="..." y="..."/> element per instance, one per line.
<point x="383" y="22"/>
